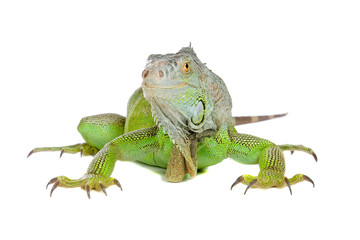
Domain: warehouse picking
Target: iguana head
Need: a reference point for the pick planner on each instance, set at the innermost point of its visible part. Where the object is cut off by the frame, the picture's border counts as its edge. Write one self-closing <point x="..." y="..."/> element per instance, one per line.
<point x="171" y="71"/>
<point x="186" y="97"/>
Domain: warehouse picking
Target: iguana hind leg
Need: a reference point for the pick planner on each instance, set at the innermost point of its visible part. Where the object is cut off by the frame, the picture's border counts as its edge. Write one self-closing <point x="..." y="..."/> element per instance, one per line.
<point x="271" y="160"/>
<point x="97" y="130"/>
<point x="84" y="148"/>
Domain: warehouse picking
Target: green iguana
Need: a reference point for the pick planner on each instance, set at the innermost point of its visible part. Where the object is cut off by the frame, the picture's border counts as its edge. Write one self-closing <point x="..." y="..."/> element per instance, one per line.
<point x="179" y="120"/>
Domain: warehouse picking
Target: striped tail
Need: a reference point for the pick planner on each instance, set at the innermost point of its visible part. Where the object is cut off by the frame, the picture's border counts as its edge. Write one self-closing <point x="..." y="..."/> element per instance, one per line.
<point x="253" y="119"/>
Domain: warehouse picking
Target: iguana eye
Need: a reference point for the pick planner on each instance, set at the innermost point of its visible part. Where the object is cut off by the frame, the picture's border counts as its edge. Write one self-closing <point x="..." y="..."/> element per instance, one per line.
<point x="186" y="67"/>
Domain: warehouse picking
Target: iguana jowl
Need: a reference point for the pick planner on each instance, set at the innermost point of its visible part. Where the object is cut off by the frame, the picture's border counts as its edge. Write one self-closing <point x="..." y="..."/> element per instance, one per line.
<point x="192" y="108"/>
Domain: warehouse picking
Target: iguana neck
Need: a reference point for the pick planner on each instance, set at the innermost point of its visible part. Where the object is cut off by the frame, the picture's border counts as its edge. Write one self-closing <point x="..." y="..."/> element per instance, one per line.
<point x="215" y="87"/>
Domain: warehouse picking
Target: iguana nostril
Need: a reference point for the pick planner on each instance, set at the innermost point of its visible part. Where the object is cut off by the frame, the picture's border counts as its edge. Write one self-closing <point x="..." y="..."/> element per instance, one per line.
<point x="145" y="73"/>
<point x="161" y="73"/>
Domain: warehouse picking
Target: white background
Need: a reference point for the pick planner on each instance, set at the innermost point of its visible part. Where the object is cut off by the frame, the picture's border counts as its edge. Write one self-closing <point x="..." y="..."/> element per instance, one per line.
<point x="62" y="60"/>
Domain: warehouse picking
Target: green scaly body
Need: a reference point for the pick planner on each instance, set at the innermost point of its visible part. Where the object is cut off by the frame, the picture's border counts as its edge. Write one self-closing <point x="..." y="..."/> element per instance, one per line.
<point x="111" y="137"/>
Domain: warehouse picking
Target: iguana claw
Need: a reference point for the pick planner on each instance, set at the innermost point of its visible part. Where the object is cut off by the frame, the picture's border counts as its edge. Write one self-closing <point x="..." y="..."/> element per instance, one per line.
<point x="250" y="184"/>
<point x="116" y="182"/>
<point x="88" y="191"/>
<point x="238" y="180"/>
<point x="30" y="153"/>
<point x="56" y="184"/>
<point x="288" y="184"/>
<point x="103" y="189"/>
<point x="55" y="179"/>
<point x="241" y="179"/>
<point x="306" y="178"/>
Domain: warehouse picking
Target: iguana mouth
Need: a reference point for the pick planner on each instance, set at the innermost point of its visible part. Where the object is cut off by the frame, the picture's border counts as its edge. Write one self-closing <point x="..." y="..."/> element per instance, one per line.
<point x="146" y="85"/>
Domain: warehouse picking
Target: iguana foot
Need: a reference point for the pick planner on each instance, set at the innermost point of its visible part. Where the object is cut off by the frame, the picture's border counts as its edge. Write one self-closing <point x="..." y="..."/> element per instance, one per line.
<point x="272" y="169"/>
<point x="301" y="148"/>
<point x="270" y="180"/>
<point x="87" y="182"/>
<point x="84" y="149"/>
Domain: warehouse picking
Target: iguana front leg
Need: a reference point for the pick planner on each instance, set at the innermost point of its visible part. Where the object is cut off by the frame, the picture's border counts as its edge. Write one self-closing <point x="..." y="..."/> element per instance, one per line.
<point x="131" y="146"/>
<point x="252" y="150"/>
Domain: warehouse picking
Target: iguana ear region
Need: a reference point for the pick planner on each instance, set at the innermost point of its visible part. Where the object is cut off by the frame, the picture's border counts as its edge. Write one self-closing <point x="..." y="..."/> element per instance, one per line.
<point x="199" y="113"/>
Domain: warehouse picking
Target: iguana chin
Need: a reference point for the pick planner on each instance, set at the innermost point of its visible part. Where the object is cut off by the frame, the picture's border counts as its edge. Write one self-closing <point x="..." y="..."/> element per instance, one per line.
<point x="192" y="108"/>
